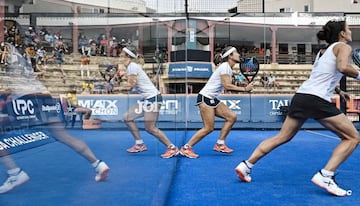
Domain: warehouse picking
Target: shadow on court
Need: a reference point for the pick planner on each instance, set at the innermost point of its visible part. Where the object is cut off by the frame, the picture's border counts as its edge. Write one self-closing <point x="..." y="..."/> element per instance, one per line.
<point x="59" y="177"/>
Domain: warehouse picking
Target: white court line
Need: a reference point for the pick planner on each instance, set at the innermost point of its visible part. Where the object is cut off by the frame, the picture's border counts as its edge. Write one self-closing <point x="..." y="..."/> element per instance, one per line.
<point x="324" y="135"/>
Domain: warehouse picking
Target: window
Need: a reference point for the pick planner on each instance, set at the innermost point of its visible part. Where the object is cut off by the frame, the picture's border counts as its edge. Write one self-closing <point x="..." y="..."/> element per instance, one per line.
<point x="17" y="9"/>
<point x="306" y="8"/>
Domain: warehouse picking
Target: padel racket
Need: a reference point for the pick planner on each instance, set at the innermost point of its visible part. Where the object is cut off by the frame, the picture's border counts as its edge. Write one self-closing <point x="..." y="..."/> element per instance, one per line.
<point x="249" y="67"/>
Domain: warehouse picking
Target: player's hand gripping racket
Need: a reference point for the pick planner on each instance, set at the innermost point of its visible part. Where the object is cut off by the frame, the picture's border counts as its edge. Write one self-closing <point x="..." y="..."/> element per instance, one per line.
<point x="249" y="67"/>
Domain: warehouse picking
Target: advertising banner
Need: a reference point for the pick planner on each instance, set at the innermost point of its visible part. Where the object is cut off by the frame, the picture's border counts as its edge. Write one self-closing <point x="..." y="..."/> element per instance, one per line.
<point x="190" y="70"/>
<point x="181" y="108"/>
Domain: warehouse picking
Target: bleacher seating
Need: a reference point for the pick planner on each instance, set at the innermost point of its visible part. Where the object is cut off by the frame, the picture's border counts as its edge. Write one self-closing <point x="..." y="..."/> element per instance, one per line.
<point x="290" y="76"/>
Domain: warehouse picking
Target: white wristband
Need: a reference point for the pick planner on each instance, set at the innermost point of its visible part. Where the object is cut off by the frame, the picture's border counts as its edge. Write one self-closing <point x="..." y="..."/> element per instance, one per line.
<point x="358" y="77"/>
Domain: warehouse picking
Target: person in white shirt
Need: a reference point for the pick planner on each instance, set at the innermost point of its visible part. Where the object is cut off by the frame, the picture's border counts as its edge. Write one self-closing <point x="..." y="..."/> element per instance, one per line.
<point x="313" y="100"/>
<point x="210" y="106"/>
<point x="148" y="107"/>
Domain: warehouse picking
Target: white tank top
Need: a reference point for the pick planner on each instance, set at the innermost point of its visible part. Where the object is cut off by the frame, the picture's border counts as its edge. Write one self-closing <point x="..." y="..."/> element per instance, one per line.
<point x="143" y="86"/>
<point x="324" y="76"/>
<point x="214" y="86"/>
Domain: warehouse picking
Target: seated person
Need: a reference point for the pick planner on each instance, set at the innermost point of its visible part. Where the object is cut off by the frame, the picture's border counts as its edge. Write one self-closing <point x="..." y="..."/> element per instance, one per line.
<point x="4" y="52"/>
<point x="264" y="80"/>
<point x="73" y="103"/>
<point x="109" y="84"/>
<point x="273" y="82"/>
<point x="239" y="80"/>
<point x="88" y="85"/>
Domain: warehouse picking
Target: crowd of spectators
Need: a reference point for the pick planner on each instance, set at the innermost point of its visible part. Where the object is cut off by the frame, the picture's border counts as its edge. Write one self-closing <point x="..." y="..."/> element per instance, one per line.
<point x="101" y="45"/>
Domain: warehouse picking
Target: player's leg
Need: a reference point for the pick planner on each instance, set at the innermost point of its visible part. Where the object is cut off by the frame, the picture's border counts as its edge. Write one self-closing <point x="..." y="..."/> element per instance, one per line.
<point x="230" y="118"/>
<point x="150" y="119"/>
<point x="60" y="134"/>
<point x="344" y="128"/>
<point x="16" y="176"/>
<point x="288" y="130"/>
<point x="133" y="113"/>
<point x="208" y="116"/>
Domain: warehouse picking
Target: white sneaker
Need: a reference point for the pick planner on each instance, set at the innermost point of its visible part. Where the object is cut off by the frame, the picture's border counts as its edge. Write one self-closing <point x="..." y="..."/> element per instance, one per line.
<point x="329" y="184"/>
<point x="102" y="171"/>
<point x="13" y="181"/>
<point x="243" y="172"/>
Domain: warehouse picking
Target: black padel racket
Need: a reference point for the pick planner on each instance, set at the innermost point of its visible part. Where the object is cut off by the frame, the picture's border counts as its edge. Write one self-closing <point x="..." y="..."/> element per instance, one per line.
<point x="249" y="67"/>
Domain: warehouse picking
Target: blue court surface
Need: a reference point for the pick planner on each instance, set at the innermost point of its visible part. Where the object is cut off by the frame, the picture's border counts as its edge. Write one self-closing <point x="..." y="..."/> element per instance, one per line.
<point x="59" y="177"/>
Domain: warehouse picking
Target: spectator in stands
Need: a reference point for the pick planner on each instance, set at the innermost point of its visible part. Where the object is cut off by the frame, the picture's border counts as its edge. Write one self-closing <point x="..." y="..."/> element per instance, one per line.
<point x="93" y="47"/>
<point x="50" y="39"/>
<point x="268" y="56"/>
<point x="84" y="46"/>
<point x="272" y="81"/>
<point x="84" y="65"/>
<point x="114" y="46"/>
<point x="40" y="61"/>
<point x="264" y="80"/>
<point x="4" y="52"/>
<point x="104" y="43"/>
<point x="239" y="80"/>
<point x="109" y="83"/>
<point x="30" y="51"/>
<point x="313" y="100"/>
<point x="58" y="53"/>
<point x="87" y="86"/>
<point x="148" y="107"/>
<point x="210" y="106"/>
<point x="73" y="102"/>
<point x="12" y="34"/>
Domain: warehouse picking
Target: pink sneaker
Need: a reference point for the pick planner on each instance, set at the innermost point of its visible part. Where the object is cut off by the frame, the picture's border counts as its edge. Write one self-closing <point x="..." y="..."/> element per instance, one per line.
<point x="137" y="148"/>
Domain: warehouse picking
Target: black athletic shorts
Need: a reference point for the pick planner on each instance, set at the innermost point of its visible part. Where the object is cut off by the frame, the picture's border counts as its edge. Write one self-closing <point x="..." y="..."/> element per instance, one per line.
<point x="158" y="99"/>
<point x="209" y="102"/>
<point x="304" y="106"/>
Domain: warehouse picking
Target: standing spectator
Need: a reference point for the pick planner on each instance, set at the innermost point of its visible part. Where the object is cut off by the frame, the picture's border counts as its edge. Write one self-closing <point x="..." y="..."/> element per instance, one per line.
<point x="85" y="61"/>
<point x="268" y="56"/>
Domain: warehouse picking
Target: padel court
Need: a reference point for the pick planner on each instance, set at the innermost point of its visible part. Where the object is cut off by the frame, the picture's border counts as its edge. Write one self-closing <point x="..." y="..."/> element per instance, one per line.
<point x="60" y="177"/>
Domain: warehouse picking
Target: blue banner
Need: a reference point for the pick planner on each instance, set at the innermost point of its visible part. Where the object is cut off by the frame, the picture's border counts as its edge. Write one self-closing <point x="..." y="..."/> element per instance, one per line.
<point x="181" y="108"/>
<point x="190" y="70"/>
<point x="22" y="139"/>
